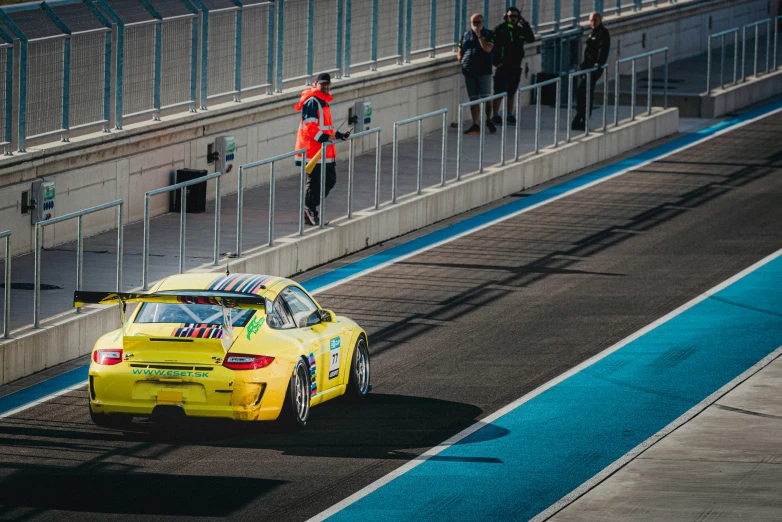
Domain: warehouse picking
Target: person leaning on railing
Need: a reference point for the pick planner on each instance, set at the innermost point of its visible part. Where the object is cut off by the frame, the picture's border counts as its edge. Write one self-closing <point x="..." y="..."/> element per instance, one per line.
<point x="509" y="40"/>
<point x="317" y="127"/>
<point x="595" y="55"/>
<point x="475" y="56"/>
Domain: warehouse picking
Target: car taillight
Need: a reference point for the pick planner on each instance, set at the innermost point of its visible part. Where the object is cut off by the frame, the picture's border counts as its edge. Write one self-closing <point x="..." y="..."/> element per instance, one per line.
<point x="240" y="361"/>
<point x="107" y="356"/>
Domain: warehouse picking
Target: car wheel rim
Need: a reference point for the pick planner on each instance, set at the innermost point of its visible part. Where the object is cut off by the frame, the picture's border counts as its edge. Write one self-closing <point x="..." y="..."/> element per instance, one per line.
<point x="302" y="402"/>
<point x="362" y="368"/>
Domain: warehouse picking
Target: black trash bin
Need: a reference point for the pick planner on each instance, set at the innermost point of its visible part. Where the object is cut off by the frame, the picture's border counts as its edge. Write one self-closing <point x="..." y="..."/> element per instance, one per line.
<point x="196" y="194"/>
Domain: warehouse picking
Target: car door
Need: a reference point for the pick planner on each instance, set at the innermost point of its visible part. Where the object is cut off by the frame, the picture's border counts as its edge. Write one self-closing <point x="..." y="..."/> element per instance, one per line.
<point x="326" y="350"/>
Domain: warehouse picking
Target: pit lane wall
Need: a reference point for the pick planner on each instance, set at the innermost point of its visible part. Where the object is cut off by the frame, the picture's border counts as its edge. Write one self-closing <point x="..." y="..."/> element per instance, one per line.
<point x="67" y="336"/>
<point x="96" y="168"/>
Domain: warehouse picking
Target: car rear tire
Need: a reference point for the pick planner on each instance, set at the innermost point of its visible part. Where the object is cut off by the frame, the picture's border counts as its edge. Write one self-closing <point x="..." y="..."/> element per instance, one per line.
<point x="296" y="407"/>
<point x="359" y="384"/>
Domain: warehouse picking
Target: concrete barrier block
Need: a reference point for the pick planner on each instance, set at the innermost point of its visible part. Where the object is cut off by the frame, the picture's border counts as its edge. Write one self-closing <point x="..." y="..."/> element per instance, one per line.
<point x="13" y="357"/>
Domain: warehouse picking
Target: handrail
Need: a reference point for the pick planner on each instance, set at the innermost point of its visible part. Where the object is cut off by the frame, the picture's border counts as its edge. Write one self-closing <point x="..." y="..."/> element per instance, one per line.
<point x="352" y="166"/>
<point x="39" y="226"/>
<point x="395" y="145"/>
<point x="7" y="294"/>
<point x="755" y="25"/>
<point x="182" y="222"/>
<point x="588" y="106"/>
<point x="722" y="35"/>
<point x="240" y="195"/>
<point x="481" y="102"/>
<point x="632" y="59"/>
<point x="537" y="87"/>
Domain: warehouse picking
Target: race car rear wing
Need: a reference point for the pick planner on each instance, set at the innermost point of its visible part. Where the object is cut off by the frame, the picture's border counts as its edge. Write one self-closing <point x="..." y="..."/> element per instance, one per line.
<point x="226" y="299"/>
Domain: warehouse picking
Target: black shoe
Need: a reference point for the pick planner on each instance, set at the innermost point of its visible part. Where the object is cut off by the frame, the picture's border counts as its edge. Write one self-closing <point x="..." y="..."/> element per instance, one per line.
<point x="578" y="124"/>
<point x="490" y="126"/>
<point x="310" y="216"/>
<point x="473" y="130"/>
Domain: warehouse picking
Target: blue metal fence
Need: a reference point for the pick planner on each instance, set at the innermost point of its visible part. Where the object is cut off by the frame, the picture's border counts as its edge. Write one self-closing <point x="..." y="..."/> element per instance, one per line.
<point x="146" y="57"/>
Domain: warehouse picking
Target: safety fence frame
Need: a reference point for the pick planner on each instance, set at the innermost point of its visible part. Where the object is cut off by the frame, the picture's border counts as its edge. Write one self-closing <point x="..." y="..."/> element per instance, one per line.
<point x="420" y="159"/>
<point x="352" y="166"/>
<point x="537" y="88"/>
<point x="79" y="250"/>
<point x="632" y="60"/>
<point x="588" y="102"/>
<point x="272" y="186"/>
<point x="756" y="25"/>
<point x="6" y="234"/>
<point x="721" y="35"/>
<point x="182" y="222"/>
<point x="482" y="119"/>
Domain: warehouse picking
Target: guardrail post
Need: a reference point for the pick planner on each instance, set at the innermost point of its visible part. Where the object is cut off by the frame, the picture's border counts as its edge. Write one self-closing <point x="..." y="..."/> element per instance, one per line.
<point x="443" y="155"/>
<point x="373" y="44"/>
<point x="270" y="52"/>
<point x="665" y="80"/>
<point x="271" y="204"/>
<point x="400" y="39"/>
<point x="377" y="171"/>
<point x="420" y="162"/>
<point x="743" y="53"/>
<point x="516" y="132"/>
<point x="433" y="27"/>
<point x="351" y="165"/>
<point x="158" y="65"/>
<point x="204" y="58"/>
<point x="66" y="91"/>
<point x="768" y="45"/>
<point x="606" y="84"/>
<point x="482" y="125"/>
<point x="340" y="29"/>
<point x="7" y="293"/>
<point x="280" y="41"/>
<point x="145" y="246"/>
<point x="120" y="244"/>
<point x="588" y="107"/>
<point x="238" y="58"/>
<point x="37" y="278"/>
<point x="194" y="65"/>
<point x="348" y="24"/>
<point x="569" y="106"/>
<point x="310" y="38"/>
<point x="632" y="89"/>
<point x="616" y="93"/>
<point x="649" y="87"/>
<point x="322" y="213"/>
<point x="182" y="229"/>
<point x="557" y="14"/>
<point x="708" y="66"/>
<point x="504" y="120"/>
<point x="755" y="58"/>
<point x="735" y="57"/>
<point x="408" y="30"/>
<point x="302" y="189"/>
<point x="459" y="133"/>
<point x="240" y="210"/>
<point x="79" y="257"/>
<point x="537" y="120"/>
<point x="722" y="62"/>
<point x="556" y="112"/>
<point x="395" y="162"/>
<point x="776" y="39"/>
<point x="216" y="246"/>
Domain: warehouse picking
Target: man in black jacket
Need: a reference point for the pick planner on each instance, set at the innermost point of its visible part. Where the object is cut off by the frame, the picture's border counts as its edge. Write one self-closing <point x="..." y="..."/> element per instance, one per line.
<point x="509" y="39"/>
<point x="595" y="55"/>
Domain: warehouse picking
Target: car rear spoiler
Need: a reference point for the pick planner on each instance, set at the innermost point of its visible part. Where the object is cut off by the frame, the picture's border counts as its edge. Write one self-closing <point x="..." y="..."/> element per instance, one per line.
<point x="226" y="299"/>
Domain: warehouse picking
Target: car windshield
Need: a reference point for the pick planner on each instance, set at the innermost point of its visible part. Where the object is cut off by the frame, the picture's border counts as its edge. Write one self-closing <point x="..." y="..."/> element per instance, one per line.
<point x="190" y="313"/>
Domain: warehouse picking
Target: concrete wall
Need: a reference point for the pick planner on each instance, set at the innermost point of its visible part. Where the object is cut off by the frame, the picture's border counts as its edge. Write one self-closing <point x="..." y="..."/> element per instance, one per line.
<point x="722" y="102"/>
<point x="68" y="335"/>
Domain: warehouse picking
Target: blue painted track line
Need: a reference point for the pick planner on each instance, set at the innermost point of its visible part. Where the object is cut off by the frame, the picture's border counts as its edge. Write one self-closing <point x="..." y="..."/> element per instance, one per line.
<point x="43" y="389"/>
<point x="353" y="270"/>
<point x="526" y="460"/>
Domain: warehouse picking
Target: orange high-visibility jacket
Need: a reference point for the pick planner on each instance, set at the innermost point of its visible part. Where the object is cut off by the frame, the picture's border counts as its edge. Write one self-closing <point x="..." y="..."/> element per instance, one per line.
<point x="315" y="125"/>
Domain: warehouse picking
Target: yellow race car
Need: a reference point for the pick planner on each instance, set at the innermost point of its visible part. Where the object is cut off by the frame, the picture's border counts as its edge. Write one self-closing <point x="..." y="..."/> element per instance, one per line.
<point x="241" y="346"/>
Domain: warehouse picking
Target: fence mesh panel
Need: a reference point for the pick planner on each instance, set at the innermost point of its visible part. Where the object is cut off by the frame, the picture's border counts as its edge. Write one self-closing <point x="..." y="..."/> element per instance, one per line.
<point x="222" y="53"/>
<point x="176" y="61"/>
<point x="496" y="12"/>
<point x="473" y="6"/>
<point x="3" y="115"/>
<point x="88" y="63"/>
<point x="325" y="49"/>
<point x="139" y="70"/>
<point x="446" y="17"/>
<point x="420" y="26"/>
<point x="361" y="31"/>
<point x="294" y="48"/>
<point x="388" y="33"/>
<point x="45" y="68"/>
<point x="255" y="47"/>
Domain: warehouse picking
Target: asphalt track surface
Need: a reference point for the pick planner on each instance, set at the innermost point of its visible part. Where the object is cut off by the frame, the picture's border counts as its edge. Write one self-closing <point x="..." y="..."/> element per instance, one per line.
<point x="456" y="333"/>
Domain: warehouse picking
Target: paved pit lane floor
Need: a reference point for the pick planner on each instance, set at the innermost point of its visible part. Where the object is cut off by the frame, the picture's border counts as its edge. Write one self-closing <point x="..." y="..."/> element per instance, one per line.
<point x="456" y="333"/>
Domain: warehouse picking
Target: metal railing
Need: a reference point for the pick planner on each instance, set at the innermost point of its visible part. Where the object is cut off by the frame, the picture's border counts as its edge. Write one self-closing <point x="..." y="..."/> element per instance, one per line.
<point x="756" y="26"/>
<point x="182" y="222"/>
<point x="588" y="105"/>
<point x="272" y="188"/>
<point x="482" y="119"/>
<point x="352" y="167"/>
<point x="7" y="293"/>
<point x="632" y="60"/>
<point x="721" y="36"/>
<point x="79" y="250"/>
<point x="777" y="21"/>
<point x="537" y="87"/>
<point x="420" y="159"/>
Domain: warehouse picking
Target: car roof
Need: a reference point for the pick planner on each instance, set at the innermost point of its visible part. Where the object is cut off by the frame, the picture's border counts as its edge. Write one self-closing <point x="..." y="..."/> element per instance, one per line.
<point x="219" y="281"/>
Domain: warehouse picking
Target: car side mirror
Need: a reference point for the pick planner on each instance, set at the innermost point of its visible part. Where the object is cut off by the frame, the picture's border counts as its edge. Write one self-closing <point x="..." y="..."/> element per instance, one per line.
<point x="327" y="316"/>
<point x="314" y="318"/>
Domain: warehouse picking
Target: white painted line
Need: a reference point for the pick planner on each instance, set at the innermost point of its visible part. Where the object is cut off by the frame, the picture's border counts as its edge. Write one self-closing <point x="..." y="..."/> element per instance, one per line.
<point x="43" y="399"/>
<point x="537" y="205"/>
<point x="336" y="508"/>
<point x="651" y="441"/>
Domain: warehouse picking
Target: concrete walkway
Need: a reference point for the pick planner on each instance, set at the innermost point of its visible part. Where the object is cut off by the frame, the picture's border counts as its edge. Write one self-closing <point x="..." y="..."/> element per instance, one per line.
<point x="58" y="264"/>
<point x="724" y="464"/>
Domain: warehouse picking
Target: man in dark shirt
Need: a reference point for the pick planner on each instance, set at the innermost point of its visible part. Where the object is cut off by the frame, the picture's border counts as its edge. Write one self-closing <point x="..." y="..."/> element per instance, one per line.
<point x="509" y="40"/>
<point x="475" y="56"/>
<point x="595" y="55"/>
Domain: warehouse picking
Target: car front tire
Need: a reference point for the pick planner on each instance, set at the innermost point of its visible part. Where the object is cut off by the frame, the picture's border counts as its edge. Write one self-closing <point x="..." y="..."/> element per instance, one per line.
<point x="359" y="383"/>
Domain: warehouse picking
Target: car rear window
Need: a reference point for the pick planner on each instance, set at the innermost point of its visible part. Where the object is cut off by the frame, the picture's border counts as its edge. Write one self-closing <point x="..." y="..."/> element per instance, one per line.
<point x="190" y="313"/>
